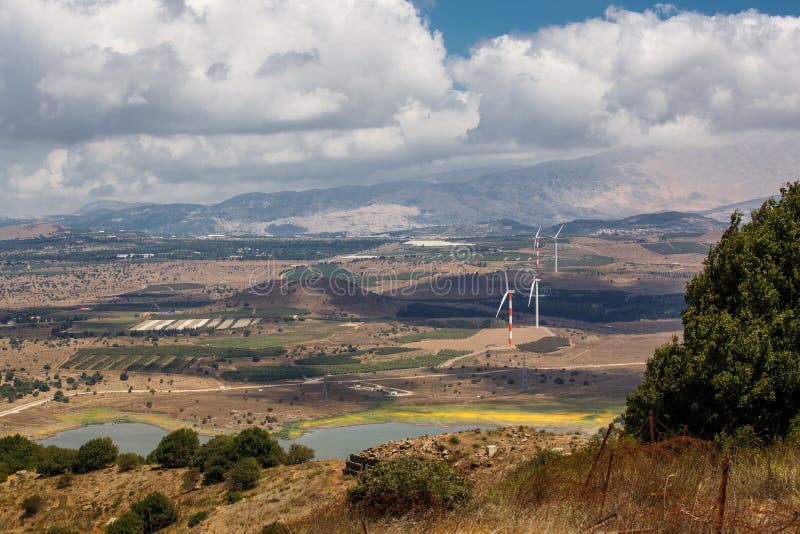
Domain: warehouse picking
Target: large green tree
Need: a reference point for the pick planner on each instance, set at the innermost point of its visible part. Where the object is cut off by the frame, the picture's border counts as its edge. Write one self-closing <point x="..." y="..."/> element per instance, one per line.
<point x="738" y="365"/>
<point x="176" y="449"/>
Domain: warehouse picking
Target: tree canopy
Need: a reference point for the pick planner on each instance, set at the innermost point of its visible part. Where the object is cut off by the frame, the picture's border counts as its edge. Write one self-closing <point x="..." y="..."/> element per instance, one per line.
<point x="738" y="366"/>
<point x="176" y="449"/>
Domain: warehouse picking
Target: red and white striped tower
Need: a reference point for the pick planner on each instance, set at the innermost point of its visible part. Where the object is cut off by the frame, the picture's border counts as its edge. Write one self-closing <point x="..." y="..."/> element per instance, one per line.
<point x="510" y="318"/>
<point x="509" y="294"/>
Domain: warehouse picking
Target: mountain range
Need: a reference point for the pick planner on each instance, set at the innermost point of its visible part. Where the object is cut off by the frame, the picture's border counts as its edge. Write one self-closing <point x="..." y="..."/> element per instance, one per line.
<point x="611" y="185"/>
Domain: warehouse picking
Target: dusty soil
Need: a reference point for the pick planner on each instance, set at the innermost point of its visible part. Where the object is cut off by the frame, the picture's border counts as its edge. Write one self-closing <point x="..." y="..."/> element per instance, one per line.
<point x="27" y="231"/>
<point x="86" y="284"/>
<point x="484" y="339"/>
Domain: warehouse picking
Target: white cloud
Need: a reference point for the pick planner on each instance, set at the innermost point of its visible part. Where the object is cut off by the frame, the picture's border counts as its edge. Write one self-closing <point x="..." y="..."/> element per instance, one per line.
<point x="196" y="100"/>
<point x="629" y="77"/>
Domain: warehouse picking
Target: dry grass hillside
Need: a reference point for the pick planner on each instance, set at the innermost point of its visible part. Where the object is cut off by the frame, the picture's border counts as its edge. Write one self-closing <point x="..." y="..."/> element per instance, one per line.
<point x="536" y="482"/>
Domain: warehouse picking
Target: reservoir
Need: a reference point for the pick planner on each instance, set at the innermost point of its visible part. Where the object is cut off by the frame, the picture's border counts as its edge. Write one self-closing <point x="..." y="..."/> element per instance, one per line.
<point x="327" y="442"/>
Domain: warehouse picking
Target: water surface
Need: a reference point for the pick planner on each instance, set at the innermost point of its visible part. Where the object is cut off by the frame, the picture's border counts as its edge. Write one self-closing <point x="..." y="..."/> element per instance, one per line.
<point x="327" y="442"/>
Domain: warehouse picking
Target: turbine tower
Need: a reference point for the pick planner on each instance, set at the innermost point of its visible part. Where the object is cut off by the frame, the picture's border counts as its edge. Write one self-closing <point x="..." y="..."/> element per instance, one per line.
<point x="509" y="294"/>
<point x="535" y="290"/>
<point x="536" y="246"/>
<point x="555" y="244"/>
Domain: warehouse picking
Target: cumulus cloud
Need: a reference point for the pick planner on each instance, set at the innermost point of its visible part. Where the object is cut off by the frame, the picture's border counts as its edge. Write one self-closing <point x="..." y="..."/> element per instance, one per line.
<point x="630" y="77"/>
<point x="194" y="100"/>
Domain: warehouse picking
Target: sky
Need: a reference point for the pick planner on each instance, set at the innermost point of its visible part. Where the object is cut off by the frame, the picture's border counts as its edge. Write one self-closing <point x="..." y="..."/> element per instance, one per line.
<point x="466" y="22"/>
<point x="199" y="100"/>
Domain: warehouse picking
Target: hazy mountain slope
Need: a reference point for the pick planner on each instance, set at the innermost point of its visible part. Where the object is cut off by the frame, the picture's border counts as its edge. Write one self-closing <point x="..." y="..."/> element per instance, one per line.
<point x="606" y="186"/>
<point x="669" y="221"/>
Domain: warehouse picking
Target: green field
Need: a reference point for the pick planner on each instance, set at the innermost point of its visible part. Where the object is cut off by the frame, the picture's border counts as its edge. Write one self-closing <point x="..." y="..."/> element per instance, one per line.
<point x="267" y="373"/>
<point x="329" y="359"/>
<point x="350" y="357"/>
<point x="676" y="247"/>
<point x="99" y="323"/>
<point x="158" y="358"/>
<point x="441" y="333"/>
<point x="369" y="279"/>
<point x="545" y="345"/>
<point x="589" y="260"/>
<point x="292" y="333"/>
<point x="385" y="351"/>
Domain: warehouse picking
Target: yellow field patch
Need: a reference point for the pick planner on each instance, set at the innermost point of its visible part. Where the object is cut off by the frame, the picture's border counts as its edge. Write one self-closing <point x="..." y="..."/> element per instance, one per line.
<point x="546" y="415"/>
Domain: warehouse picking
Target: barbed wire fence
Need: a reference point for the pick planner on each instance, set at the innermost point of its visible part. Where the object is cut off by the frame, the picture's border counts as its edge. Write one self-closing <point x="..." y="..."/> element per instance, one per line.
<point x="674" y="483"/>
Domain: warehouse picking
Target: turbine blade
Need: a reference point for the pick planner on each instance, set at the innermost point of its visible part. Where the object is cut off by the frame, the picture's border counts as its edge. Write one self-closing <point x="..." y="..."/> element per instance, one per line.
<point x="533" y="285"/>
<point x="537" y="231"/>
<point x="505" y="273"/>
<point x="501" y="305"/>
<point x="559" y="231"/>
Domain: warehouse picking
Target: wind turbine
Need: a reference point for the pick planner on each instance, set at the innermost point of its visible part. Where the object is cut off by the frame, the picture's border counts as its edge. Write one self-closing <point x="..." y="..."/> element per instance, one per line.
<point x="535" y="289"/>
<point x="555" y="244"/>
<point x="509" y="294"/>
<point x="536" y="246"/>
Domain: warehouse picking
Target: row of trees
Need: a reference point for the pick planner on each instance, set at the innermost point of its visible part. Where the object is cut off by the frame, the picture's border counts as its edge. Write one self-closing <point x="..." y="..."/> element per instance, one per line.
<point x="222" y="458"/>
<point x="232" y="458"/>
<point x="18" y="453"/>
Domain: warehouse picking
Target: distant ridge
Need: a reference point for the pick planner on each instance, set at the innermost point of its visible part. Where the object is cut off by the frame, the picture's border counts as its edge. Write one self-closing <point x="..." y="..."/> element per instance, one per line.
<point x="667" y="221"/>
<point x="609" y="186"/>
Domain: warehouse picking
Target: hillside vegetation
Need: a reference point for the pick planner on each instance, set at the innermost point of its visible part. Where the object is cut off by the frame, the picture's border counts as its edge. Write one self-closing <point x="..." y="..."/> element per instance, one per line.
<point x="737" y="370"/>
<point x="536" y="482"/>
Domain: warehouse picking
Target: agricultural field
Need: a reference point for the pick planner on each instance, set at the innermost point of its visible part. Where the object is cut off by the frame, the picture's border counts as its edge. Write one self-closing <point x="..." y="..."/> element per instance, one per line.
<point x="439" y="333"/>
<point x="178" y="325"/>
<point x="335" y="366"/>
<point x="235" y="349"/>
<point x="158" y="358"/>
<point x="545" y="345"/>
<point x="287" y="334"/>
<point x="667" y="248"/>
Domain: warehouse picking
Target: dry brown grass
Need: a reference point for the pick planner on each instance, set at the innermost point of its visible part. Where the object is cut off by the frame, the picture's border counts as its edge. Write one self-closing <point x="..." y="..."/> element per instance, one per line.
<point x="672" y="486"/>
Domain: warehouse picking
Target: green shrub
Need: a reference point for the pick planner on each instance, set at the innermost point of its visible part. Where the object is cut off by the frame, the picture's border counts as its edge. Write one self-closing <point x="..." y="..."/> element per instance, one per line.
<point x="256" y="443"/>
<point x="299" y="454"/>
<point x="243" y="475"/>
<point x="275" y="528"/>
<point x="526" y="470"/>
<point x="743" y="438"/>
<point x="127" y="523"/>
<point x="65" y="480"/>
<point x="214" y="458"/>
<point x="53" y="460"/>
<point x="176" y="449"/>
<point x="60" y="530"/>
<point x="155" y="511"/>
<point x="32" y="504"/>
<point x="95" y="454"/>
<point x="234" y="497"/>
<point x="128" y="461"/>
<point x="16" y="453"/>
<point x="793" y="435"/>
<point x="197" y="518"/>
<point x="189" y="479"/>
<point x="409" y="485"/>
